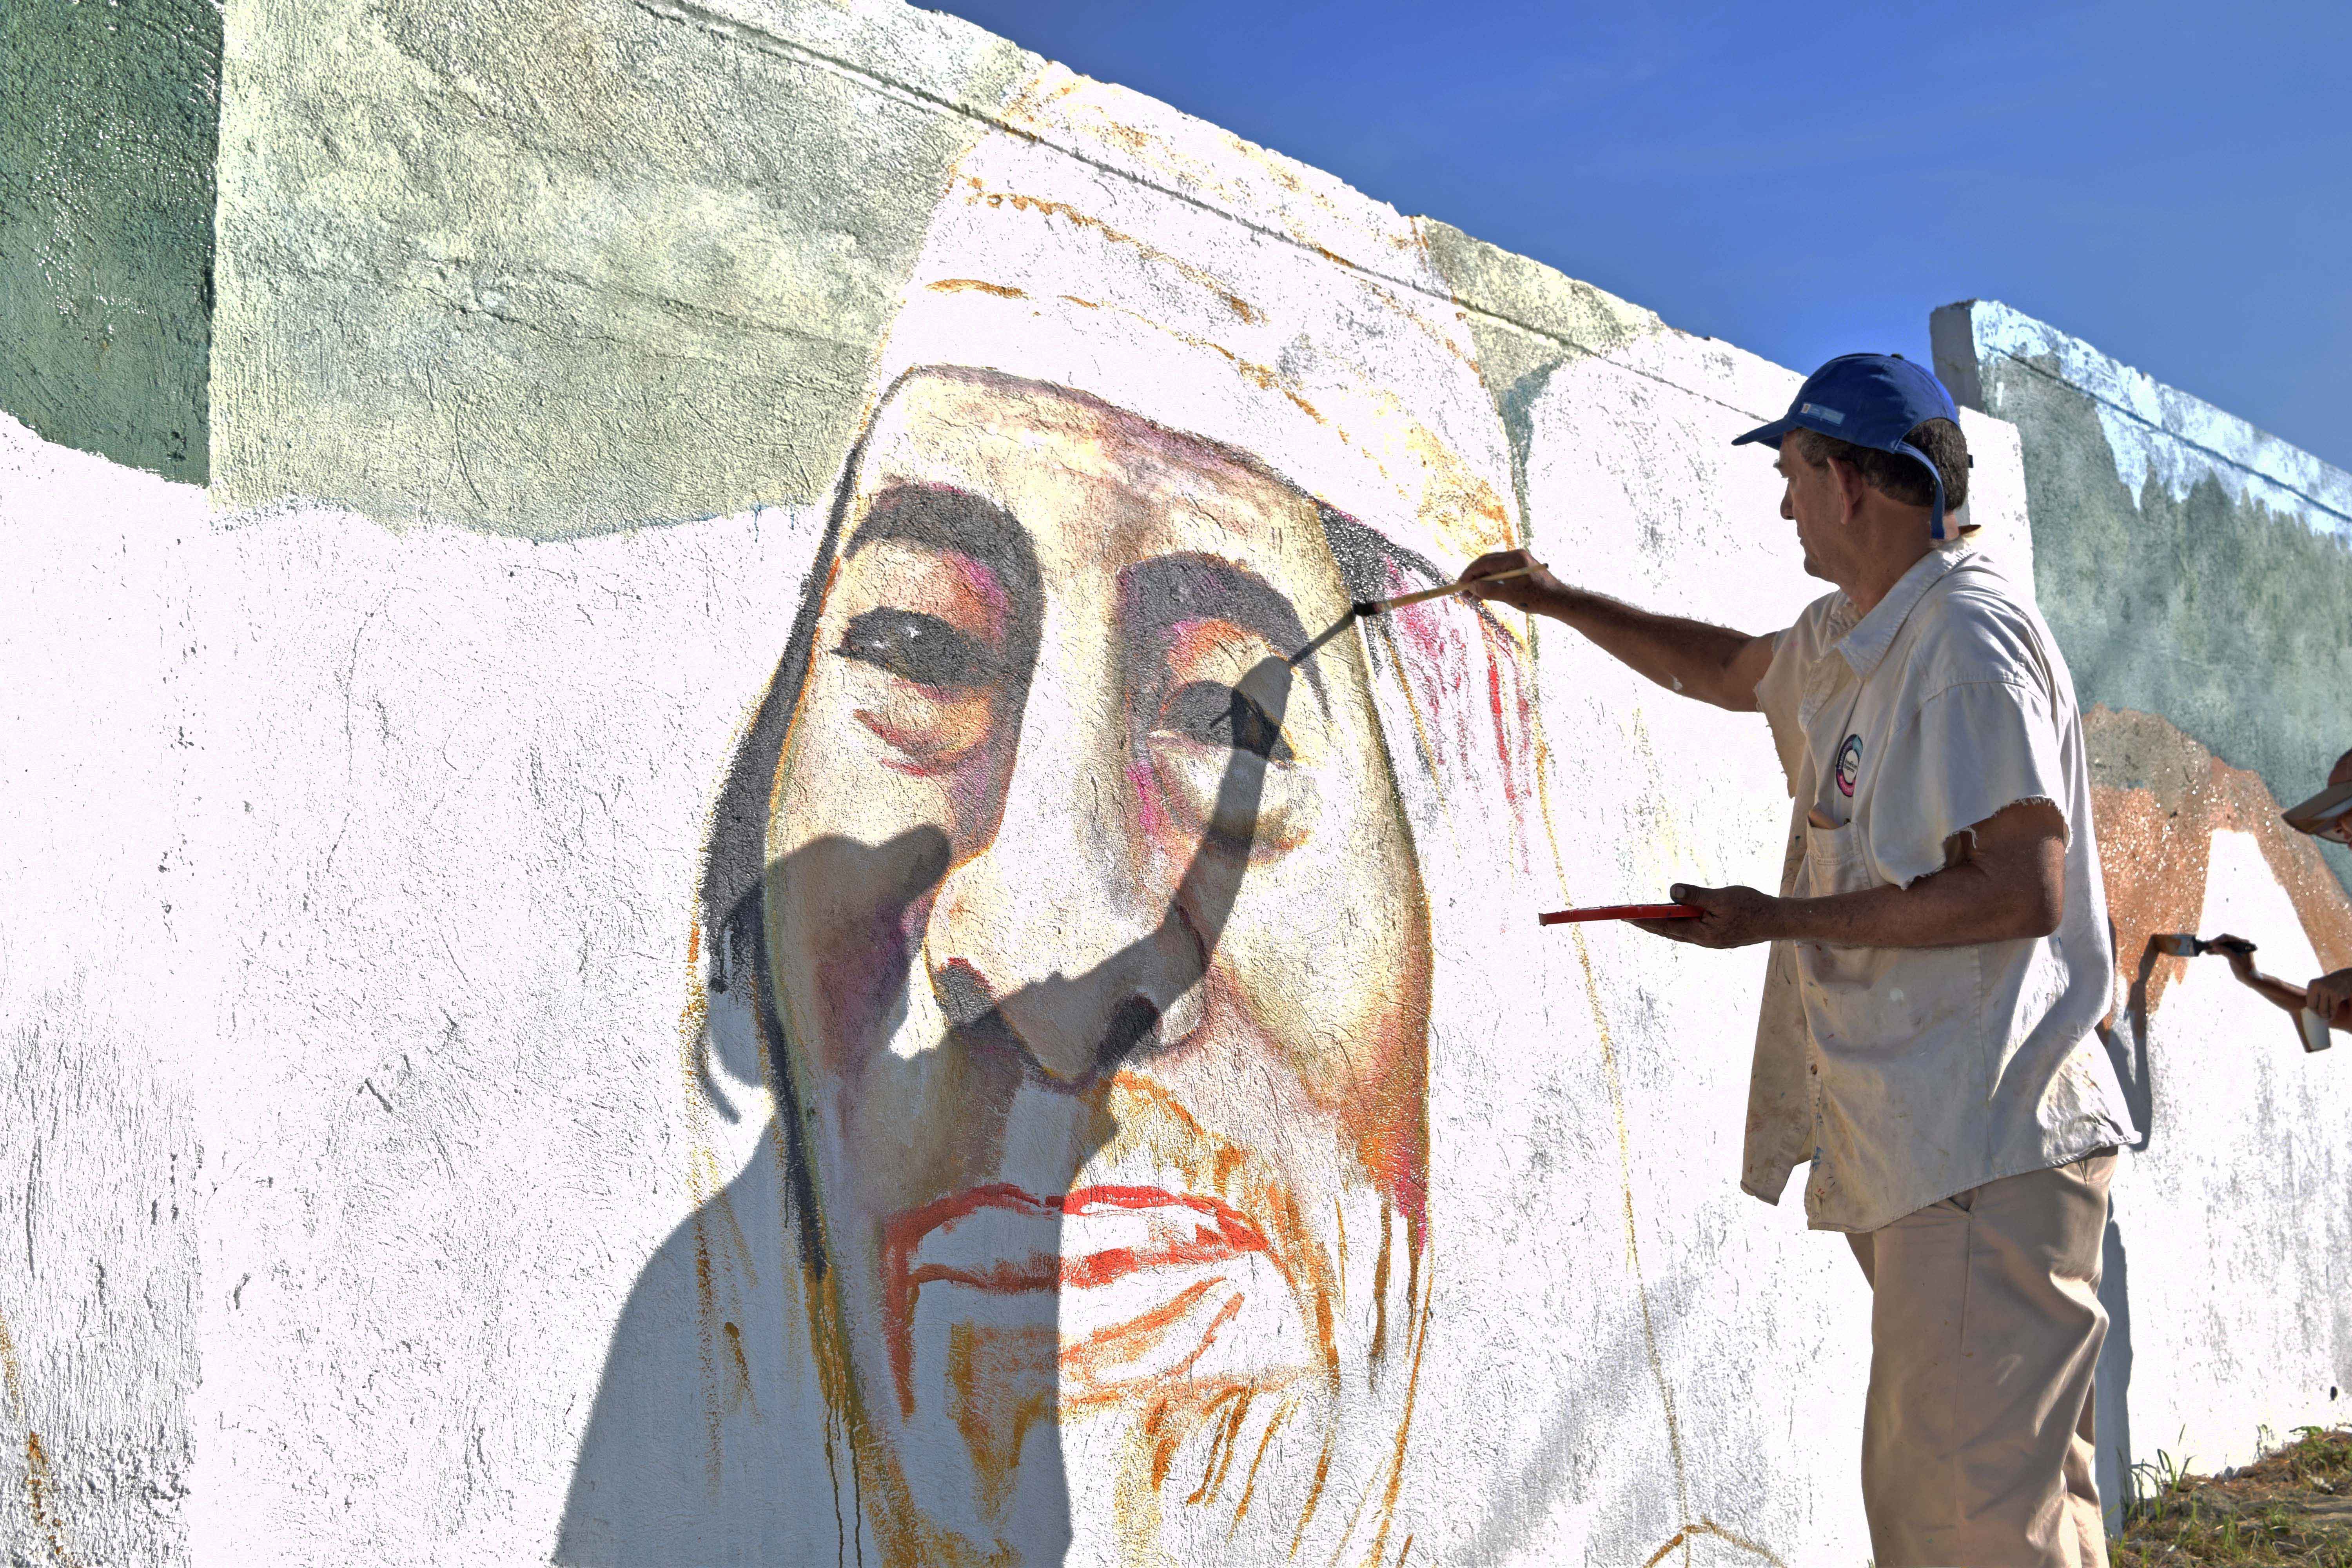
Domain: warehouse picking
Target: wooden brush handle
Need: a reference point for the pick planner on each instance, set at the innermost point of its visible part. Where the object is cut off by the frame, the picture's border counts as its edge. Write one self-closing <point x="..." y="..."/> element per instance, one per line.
<point x="1402" y="600"/>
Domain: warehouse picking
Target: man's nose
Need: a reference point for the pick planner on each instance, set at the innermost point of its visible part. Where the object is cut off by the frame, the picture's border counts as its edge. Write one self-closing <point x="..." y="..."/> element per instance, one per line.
<point x="1061" y="929"/>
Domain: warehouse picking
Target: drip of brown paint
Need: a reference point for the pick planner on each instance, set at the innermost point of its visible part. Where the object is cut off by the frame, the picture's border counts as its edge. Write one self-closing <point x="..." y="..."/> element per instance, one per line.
<point x="1000" y="1383"/>
<point x="37" y="1493"/>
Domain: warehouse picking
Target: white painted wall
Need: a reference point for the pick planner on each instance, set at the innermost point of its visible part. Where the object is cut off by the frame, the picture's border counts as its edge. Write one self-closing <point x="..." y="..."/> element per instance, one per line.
<point x="346" y="979"/>
<point x="2233" y="1215"/>
<point x="355" y="868"/>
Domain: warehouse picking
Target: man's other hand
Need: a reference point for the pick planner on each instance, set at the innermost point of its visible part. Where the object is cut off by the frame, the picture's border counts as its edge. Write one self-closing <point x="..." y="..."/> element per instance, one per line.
<point x="1525" y="593"/>
<point x="1730" y="917"/>
<point x="2330" y="997"/>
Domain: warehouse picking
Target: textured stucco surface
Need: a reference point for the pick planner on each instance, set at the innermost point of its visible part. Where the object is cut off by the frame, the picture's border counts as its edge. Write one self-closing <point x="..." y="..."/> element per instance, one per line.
<point x="2193" y="566"/>
<point x="402" y="1185"/>
<point x="107" y="116"/>
<point x="545" y="270"/>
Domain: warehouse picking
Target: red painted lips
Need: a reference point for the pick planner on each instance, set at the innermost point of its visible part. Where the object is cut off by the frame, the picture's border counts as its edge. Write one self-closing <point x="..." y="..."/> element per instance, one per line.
<point x="1000" y="1238"/>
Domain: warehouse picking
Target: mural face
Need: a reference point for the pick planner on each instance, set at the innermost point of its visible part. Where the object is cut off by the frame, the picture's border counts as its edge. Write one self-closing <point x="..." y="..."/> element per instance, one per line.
<point x="1112" y="1059"/>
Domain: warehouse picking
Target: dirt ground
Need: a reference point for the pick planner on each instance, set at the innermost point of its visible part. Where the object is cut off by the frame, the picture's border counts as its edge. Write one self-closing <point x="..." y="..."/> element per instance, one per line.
<point x="2293" y="1505"/>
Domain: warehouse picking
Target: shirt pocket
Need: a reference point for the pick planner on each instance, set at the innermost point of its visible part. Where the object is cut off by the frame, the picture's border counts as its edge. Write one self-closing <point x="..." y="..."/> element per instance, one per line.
<point x="1836" y="860"/>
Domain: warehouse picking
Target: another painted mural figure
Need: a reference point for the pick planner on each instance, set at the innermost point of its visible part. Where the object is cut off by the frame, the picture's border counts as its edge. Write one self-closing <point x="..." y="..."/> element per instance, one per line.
<point x="2329" y="999"/>
<point x="1939" y="962"/>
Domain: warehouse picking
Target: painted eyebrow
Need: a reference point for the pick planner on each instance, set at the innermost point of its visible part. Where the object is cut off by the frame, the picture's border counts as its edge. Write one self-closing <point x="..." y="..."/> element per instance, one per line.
<point x="1168" y="590"/>
<point x="942" y="518"/>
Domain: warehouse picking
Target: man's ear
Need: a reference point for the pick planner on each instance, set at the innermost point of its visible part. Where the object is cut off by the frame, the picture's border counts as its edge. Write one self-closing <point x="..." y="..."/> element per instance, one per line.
<point x="1852" y="486"/>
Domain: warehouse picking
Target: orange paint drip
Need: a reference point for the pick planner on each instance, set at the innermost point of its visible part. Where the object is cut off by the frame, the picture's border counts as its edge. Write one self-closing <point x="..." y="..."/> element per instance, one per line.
<point x="37" y="1496"/>
<point x="959" y="285"/>
<point x="1001" y="1384"/>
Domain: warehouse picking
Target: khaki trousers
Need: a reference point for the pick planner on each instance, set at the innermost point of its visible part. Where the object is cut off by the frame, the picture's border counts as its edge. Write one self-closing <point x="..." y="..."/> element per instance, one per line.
<point x="1985" y="1326"/>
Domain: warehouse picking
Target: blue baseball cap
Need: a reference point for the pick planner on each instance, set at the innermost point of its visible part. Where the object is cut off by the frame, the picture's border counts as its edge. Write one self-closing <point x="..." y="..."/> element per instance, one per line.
<point x="1871" y="400"/>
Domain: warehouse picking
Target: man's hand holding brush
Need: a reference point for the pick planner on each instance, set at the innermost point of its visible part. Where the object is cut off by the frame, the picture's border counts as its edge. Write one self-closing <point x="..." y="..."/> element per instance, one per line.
<point x="1714" y="664"/>
<point x="1534" y="590"/>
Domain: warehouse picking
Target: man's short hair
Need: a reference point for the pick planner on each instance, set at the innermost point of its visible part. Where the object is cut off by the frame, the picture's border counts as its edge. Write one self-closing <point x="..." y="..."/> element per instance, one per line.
<point x="1892" y="473"/>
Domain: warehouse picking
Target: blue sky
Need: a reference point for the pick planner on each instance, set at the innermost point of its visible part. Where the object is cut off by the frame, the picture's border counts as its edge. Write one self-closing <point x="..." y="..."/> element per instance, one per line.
<point x="2172" y="182"/>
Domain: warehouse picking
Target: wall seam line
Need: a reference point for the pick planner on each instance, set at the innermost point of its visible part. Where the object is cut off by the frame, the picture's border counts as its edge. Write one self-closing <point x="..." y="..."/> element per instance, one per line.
<point x="760" y="39"/>
<point x="2172" y="435"/>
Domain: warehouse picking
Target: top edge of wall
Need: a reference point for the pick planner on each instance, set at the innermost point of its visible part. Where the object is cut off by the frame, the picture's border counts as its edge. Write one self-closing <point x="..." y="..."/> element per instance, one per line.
<point x="2190" y="435"/>
<point x="1513" y="288"/>
<point x="604" y="268"/>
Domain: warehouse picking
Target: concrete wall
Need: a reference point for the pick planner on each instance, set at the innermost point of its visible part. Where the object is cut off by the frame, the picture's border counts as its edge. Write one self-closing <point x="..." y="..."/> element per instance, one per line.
<point x="2193" y="566"/>
<point x="2200" y="573"/>
<point x="106" y="224"/>
<point x="470" y="857"/>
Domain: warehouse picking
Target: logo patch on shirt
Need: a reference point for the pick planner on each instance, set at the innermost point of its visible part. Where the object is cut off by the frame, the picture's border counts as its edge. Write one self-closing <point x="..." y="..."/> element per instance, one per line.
<point x="1849" y="764"/>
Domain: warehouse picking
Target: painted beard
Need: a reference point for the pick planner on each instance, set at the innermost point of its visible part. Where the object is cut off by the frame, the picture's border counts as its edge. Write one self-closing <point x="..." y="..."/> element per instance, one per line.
<point x="1170" y="1355"/>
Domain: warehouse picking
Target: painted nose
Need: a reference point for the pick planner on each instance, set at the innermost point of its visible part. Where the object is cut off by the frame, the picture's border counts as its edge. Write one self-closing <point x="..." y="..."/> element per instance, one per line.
<point x="1060" y="932"/>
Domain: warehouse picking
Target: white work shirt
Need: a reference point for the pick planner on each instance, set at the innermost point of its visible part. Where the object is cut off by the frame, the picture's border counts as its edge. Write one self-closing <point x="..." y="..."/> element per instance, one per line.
<point x="1908" y="1074"/>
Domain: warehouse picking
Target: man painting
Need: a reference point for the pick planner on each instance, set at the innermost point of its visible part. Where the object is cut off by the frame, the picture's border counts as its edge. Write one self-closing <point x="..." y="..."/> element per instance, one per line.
<point x="1939" y="962"/>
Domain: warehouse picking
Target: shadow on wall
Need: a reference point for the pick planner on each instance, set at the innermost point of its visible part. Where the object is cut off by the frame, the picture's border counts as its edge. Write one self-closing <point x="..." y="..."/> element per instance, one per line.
<point x="2125" y="1039"/>
<point x="2110" y="1414"/>
<point x="1048" y="1236"/>
<point x="964" y="1453"/>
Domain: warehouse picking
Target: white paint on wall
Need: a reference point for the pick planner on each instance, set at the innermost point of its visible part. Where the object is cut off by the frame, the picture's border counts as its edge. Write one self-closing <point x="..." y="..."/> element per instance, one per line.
<point x="367" y="860"/>
<point x="352" y="872"/>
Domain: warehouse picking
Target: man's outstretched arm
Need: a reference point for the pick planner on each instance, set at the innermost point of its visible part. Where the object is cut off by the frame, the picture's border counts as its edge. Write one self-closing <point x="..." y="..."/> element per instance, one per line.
<point x="1714" y="664"/>
<point x="2269" y="987"/>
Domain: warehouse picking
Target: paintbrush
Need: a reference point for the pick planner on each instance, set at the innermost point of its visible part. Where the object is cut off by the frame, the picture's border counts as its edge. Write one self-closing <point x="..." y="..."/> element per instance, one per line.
<point x="2188" y="944"/>
<point x="1383" y="606"/>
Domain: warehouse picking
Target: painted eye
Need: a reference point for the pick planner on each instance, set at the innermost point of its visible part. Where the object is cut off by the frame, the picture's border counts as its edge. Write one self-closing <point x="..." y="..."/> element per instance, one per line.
<point x="914" y="647"/>
<point x="1214" y="714"/>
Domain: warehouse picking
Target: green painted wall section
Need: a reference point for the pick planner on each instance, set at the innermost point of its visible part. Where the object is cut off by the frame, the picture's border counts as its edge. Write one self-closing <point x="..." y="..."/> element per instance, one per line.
<point x="2231" y="619"/>
<point x="108" y="118"/>
<point x="546" y="267"/>
<point x="1527" y="319"/>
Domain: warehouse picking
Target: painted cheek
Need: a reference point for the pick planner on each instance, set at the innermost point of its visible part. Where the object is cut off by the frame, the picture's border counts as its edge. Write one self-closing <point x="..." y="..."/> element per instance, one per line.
<point x="854" y="890"/>
<point x="1151" y="811"/>
<point x="926" y="732"/>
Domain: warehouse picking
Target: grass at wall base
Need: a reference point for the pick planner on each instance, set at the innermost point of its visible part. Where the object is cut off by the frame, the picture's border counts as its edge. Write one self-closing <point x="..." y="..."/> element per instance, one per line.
<point x="2292" y="1506"/>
